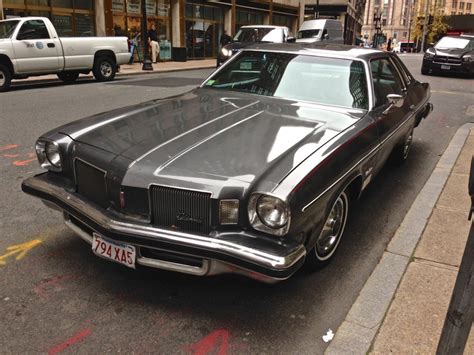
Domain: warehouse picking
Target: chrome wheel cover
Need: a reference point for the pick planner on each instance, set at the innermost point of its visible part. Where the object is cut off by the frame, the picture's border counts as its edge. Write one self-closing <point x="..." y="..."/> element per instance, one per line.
<point x="106" y="69"/>
<point x="2" y="78"/>
<point x="333" y="228"/>
<point x="407" y="145"/>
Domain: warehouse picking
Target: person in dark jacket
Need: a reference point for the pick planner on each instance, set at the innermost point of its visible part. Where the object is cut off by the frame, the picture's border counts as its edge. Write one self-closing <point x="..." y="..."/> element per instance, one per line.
<point x="153" y="41"/>
<point x="225" y="39"/>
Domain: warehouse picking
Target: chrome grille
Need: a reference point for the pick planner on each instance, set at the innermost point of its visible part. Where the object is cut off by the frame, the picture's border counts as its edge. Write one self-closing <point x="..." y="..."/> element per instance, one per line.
<point x="447" y="60"/>
<point x="181" y="209"/>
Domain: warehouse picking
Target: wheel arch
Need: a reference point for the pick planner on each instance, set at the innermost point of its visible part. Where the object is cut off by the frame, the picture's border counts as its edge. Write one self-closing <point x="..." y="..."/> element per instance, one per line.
<point x="5" y="60"/>
<point x="108" y="53"/>
<point x="353" y="185"/>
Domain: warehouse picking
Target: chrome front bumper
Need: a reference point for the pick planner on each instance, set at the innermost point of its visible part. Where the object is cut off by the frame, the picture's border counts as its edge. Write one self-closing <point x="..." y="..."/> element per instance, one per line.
<point x="220" y="253"/>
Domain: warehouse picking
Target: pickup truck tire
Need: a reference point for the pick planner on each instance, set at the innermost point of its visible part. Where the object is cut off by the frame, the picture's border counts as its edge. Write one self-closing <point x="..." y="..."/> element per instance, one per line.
<point x="5" y="78"/>
<point x="104" y="69"/>
<point x="68" y="77"/>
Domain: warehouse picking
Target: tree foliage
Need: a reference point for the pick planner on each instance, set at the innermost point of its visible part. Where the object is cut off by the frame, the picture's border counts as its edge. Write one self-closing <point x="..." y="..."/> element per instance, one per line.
<point x="435" y="28"/>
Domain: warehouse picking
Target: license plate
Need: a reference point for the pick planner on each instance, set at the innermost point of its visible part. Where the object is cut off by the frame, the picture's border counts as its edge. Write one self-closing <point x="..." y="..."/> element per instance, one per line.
<point x="446" y="67"/>
<point x="120" y="253"/>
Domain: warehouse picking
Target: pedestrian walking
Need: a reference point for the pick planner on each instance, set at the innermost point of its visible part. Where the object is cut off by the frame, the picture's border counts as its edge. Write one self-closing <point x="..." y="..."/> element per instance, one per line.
<point x="225" y="39"/>
<point x="153" y="41"/>
<point x="389" y="45"/>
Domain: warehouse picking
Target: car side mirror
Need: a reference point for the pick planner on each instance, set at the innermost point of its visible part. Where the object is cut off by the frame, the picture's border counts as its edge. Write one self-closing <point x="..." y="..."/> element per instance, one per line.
<point x="326" y="36"/>
<point x="291" y="39"/>
<point x="394" y="100"/>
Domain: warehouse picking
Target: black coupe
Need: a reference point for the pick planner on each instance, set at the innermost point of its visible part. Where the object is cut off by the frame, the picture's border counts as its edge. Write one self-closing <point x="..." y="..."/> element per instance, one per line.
<point x="254" y="172"/>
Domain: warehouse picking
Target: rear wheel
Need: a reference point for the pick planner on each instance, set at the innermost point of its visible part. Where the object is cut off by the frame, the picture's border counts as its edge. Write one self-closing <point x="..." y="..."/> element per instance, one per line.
<point x="401" y="152"/>
<point x="68" y="77"/>
<point x="104" y="69"/>
<point x="331" y="234"/>
<point x="5" y="78"/>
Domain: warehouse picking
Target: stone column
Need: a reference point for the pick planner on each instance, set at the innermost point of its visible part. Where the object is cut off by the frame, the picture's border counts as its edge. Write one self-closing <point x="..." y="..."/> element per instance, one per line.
<point x="99" y="17"/>
<point x="228" y="21"/>
<point x="178" y="25"/>
<point x="1" y="10"/>
<point x="300" y="14"/>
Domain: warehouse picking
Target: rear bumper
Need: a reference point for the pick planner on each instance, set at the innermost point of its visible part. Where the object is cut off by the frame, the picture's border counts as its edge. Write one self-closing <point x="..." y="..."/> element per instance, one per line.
<point x="240" y="253"/>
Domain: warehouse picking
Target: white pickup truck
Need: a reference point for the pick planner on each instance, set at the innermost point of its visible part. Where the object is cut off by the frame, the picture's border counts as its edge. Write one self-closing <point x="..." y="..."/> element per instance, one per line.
<point x="30" y="46"/>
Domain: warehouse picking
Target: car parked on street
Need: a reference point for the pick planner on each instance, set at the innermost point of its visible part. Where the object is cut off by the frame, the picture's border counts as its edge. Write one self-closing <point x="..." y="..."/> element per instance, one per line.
<point x="327" y="30"/>
<point x="451" y="55"/>
<point x="30" y="46"/>
<point x="248" y="35"/>
<point x="255" y="172"/>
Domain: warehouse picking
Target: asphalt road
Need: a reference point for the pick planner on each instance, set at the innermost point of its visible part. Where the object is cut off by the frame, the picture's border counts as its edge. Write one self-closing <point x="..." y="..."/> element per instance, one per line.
<point x="60" y="297"/>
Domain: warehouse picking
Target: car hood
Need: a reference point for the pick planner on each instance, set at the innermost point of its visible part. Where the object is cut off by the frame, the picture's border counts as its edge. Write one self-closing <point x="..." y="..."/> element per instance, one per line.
<point x="451" y="52"/>
<point x="207" y="138"/>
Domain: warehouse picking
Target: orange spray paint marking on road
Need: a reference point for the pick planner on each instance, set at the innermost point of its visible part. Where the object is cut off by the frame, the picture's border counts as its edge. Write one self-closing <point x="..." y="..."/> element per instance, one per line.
<point x="8" y="147"/>
<point x="71" y="341"/>
<point x="10" y="155"/>
<point x="23" y="162"/>
<point x="217" y="340"/>
<point x="20" y="249"/>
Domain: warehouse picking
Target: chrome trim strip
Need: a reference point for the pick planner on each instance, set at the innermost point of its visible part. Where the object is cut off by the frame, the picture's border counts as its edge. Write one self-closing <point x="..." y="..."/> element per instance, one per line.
<point x="259" y="257"/>
<point x="191" y="130"/>
<point x="376" y="148"/>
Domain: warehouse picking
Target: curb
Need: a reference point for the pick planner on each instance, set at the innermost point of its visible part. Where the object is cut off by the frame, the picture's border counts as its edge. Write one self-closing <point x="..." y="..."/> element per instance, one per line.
<point x="357" y="332"/>
<point x="90" y="76"/>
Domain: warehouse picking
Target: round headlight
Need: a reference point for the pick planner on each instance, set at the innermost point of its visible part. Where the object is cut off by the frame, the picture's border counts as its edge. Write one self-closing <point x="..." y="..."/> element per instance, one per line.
<point x="226" y="52"/>
<point x="52" y="154"/>
<point x="272" y="211"/>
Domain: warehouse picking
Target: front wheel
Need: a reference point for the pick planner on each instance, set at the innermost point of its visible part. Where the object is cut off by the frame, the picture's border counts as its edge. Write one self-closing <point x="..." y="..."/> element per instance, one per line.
<point x="424" y="71"/>
<point x="5" y="78"/>
<point x="68" y="77"/>
<point x="331" y="234"/>
<point x="104" y="69"/>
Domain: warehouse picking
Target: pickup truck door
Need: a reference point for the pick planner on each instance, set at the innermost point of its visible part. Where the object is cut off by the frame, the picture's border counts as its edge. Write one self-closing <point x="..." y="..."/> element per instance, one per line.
<point x="35" y="49"/>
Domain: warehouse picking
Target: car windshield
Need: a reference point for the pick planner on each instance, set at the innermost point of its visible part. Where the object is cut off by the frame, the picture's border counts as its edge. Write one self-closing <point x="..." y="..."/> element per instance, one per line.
<point x="259" y="34"/>
<point x="458" y="43"/>
<point x="7" y="28"/>
<point x="308" y="33"/>
<point x="328" y="81"/>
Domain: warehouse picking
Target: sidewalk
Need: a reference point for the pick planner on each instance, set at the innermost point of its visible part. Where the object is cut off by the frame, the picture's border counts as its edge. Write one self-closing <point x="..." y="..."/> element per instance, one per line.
<point x="136" y="68"/>
<point x="402" y="307"/>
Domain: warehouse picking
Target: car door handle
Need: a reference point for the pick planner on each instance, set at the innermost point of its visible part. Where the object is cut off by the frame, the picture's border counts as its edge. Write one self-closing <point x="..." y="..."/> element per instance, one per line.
<point x="51" y="45"/>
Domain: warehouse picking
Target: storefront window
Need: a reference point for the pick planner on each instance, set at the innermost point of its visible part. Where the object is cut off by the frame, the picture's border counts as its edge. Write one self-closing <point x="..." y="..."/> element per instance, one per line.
<point x="84" y="25"/>
<point x="84" y="4"/>
<point x="67" y="4"/>
<point x="204" y="26"/>
<point x="62" y="13"/>
<point x="36" y="2"/>
<point x="63" y="25"/>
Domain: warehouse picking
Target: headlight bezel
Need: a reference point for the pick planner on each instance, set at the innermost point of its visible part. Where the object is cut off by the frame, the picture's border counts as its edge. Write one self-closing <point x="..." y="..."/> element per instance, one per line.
<point x="45" y="159"/>
<point x="468" y="58"/>
<point x="429" y="54"/>
<point x="259" y="223"/>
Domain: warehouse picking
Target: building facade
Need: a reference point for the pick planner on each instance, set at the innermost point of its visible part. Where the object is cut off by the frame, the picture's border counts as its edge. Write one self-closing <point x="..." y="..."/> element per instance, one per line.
<point x="194" y="24"/>
<point x="395" y="18"/>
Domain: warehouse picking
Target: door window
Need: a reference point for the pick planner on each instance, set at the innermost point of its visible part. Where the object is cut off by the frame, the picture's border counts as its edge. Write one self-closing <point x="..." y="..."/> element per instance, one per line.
<point x="385" y="79"/>
<point x="33" y="29"/>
